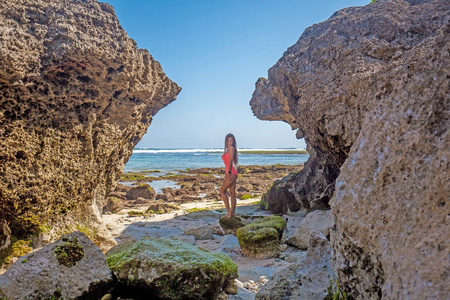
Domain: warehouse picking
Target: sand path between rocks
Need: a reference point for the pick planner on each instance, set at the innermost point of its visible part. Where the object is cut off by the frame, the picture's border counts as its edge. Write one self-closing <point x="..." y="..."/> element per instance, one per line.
<point x="125" y="228"/>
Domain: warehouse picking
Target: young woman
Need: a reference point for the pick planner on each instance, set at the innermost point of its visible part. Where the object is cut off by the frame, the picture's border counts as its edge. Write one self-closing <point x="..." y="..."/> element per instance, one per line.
<point x="230" y="159"/>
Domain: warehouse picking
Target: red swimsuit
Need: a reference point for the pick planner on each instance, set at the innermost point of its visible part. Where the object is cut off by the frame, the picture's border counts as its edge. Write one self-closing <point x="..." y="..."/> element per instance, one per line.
<point x="226" y="161"/>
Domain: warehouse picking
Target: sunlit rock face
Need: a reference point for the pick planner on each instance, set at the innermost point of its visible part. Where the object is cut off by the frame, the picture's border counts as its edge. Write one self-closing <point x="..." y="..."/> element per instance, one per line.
<point x="369" y="91"/>
<point x="76" y="95"/>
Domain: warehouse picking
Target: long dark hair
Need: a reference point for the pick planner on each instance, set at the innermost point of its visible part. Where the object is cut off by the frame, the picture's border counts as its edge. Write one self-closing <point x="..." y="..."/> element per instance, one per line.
<point x="234" y="145"/>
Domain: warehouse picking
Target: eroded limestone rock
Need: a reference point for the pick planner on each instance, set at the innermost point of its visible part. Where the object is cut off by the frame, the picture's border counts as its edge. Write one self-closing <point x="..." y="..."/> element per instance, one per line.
<point x="319" y="220"/>
<point x="73" y="267"/>
<point x="368" y="89"/>
<point x="306" y="279"/>
<point x="76" y="96"/>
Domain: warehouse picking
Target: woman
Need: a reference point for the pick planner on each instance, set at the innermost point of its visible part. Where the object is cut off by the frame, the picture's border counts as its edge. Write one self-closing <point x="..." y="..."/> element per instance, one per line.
<point x="230" y="159"/>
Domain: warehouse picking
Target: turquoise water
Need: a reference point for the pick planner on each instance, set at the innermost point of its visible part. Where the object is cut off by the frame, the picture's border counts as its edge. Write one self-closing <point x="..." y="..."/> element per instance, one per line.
<point x="181" y="159"/>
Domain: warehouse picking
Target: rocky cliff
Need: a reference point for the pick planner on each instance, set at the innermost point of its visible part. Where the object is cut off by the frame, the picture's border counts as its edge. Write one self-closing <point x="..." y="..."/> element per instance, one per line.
<point x="368" y="89"/>
<point x="76" y="96"/>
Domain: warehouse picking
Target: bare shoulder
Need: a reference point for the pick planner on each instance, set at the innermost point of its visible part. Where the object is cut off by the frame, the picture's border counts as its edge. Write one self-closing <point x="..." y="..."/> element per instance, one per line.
<point x="231" y="149"/>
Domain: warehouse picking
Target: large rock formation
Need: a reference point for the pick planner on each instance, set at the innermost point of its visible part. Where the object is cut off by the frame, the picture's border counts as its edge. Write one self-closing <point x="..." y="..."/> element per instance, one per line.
<point x="369" y="91"/>
<point x="71" y="268"/>
<point x="76" y="96"/>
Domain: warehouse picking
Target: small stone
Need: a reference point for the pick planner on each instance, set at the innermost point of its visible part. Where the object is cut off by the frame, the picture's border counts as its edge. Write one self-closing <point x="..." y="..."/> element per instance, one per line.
<point x="263" y="279"/>
<point x="231" y="288"/>
<point x="239" y="283"/>
<point x="107" y="297"/>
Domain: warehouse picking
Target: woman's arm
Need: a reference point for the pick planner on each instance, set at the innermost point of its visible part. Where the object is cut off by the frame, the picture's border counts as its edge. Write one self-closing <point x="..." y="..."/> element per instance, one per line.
<point x="231" y="153"/>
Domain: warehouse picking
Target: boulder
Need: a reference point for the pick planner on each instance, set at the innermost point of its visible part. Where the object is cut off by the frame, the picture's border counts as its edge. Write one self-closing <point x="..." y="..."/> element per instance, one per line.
<point x="229" y="245"/>
<point x="170" y="269"/>
<point x="309" y="278"/>
<point x="76" y="96"/>
<point x="261" y="239"/>
<point x="113" y="205"/>
<point x="143" y="190"/>
<point x="70" y="268"/>
<point x="368" y="90"/>
<point x="200" y="233"/>
<point x="319" y="220"/>
<point x="121" y="188"/>
<point x="231" y="225"/>
<point x="167" y="196"/>
<point x="307" y="190"/>
<point x="161" y="208"/>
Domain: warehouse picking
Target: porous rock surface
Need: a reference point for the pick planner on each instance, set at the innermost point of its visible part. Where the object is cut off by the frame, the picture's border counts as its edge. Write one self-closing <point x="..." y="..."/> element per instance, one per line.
<point x="369" y="91"/>
<point x="306" y="279"/>
<point x="319" y="220"/>
<point x="76" y="96"/>
<point x="43" y="275"/>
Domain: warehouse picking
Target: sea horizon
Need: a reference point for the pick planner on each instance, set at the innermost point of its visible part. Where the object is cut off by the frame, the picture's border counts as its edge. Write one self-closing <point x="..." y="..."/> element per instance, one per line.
<point x="173" y="159"/>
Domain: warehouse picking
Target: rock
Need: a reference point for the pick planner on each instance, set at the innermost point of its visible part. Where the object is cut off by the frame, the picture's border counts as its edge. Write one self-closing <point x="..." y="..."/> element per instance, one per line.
<point x="230" y="246"/>
<point x="5" y="236"/>
<point x="307" y="279"/>
<point x="107" y="297"/>
<point x="307" y="190"/>
<point x="70" y="268"/>
<point x="190" y="239"/>
<point x="113" y="205"/>
<point x="379" y="132"/>
<point x="217" y="230"/>
<point x="76" y="96"/>
<point x="161" y="208"/>
<point x="143" y="190"/>
<point x="231" y="288"/>
<point x="261" y="239"/>
<point x="263" y="280"/>
<point x="319" y="220"/>
<point x="121" y="188"/>
<point x="200" y="233"/>
<point x="242" y="294"/>
<point x="165" y="197"/>
<point x="231" y="225"/>
<point x="170" y="269"/>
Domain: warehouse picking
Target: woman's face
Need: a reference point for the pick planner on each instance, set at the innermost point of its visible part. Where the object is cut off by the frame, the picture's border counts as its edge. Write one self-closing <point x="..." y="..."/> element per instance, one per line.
<point x="230" y="141"/>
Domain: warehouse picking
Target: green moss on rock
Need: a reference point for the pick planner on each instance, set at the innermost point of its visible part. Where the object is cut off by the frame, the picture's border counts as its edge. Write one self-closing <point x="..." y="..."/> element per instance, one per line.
<point x="261" y="238"/>
<point x="69" y="252"/>
<point x="231" y="225"/>
<point x="170" y="269"/>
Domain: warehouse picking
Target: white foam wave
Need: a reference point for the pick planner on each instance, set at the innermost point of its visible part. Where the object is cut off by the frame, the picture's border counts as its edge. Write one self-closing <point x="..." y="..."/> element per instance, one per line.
<point x="200" y="150"/>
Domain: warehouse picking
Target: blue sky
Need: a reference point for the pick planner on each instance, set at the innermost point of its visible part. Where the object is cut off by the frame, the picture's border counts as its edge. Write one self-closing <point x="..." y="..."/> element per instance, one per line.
<point x="216" y="50"/>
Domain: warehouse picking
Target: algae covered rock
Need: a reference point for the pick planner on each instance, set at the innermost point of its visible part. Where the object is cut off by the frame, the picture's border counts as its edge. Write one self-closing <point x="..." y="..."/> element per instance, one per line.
<point x="141" y="191"/>
<point x="71" y="268"/>
<point x="170" y="269"/>
<point x="261" y="239"/>
<point x="231" y="225"/>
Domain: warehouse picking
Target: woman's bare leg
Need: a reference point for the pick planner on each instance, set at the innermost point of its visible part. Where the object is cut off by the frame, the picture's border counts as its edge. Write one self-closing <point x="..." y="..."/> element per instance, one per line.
<point x="225" y="185"/>
<point x="232" y="190"/>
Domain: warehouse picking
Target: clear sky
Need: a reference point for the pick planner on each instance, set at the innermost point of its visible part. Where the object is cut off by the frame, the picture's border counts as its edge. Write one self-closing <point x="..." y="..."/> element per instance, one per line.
<point x="216" y="50"/>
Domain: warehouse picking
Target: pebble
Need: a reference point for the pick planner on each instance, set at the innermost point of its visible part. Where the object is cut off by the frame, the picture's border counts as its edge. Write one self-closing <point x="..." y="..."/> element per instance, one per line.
<point x="239" y="283"/>
<point x="263" y="280"/>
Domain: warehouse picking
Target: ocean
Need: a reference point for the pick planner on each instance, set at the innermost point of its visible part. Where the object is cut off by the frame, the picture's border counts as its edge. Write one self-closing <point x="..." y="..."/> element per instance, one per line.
<point x="167" y="160"/>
